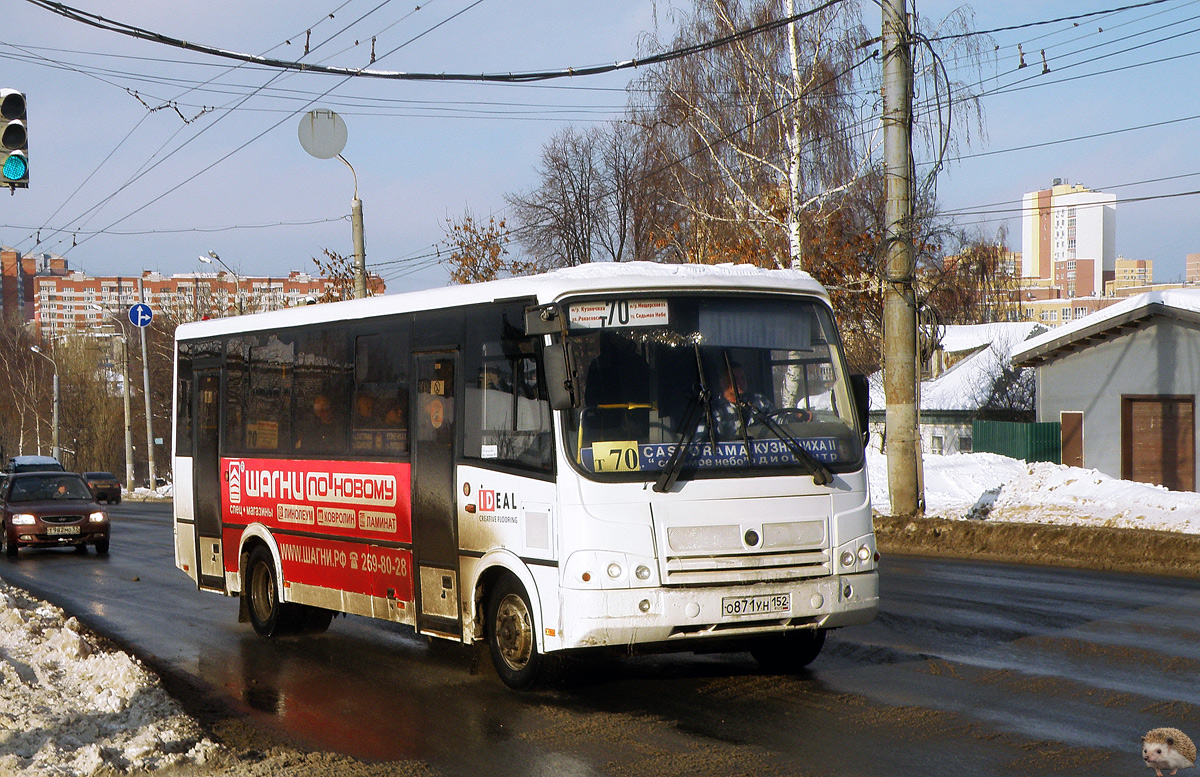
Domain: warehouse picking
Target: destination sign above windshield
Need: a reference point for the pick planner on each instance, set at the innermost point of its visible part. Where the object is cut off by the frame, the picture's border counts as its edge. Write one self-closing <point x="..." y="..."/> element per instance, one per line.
<point x="618" y="313"/>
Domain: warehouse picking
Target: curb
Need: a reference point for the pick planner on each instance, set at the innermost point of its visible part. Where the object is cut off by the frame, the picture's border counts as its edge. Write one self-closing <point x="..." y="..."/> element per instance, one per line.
<point x="1080" y="547"/>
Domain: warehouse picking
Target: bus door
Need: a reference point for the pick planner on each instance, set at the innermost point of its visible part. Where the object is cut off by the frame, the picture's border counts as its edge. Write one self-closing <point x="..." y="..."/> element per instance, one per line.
<point x="434" y="525"/>
<point x="206" y="477"/>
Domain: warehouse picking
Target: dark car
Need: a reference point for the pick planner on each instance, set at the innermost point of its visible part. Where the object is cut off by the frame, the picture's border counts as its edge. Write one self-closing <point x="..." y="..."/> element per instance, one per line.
<point x="34" y="464"/>
<point x="50" y="509"/>
<point x="105" y="486"/>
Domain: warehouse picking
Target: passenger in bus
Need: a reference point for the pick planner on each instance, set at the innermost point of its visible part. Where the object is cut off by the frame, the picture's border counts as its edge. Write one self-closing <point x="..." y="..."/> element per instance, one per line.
<point x="322" y="432"/>
<point x="738" y="400"/>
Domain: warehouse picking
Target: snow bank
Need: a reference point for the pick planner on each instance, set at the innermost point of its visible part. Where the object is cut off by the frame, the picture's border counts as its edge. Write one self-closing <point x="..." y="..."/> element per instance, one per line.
<point x="69" y="707"/>
<point x="986" y="485"/>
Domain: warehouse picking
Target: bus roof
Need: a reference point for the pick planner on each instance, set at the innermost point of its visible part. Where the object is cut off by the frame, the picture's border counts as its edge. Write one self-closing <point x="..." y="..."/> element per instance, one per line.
<point x="597" y="277"/>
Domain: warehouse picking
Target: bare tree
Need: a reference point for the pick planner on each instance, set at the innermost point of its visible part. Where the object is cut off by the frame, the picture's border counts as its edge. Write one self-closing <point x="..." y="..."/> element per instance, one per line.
<point x="593" y="202"/>
<point x="480" y="253"/>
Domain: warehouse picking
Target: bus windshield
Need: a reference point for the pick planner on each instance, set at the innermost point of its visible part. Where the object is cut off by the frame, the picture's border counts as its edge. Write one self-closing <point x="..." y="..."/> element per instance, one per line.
<point x="719" y="384"/>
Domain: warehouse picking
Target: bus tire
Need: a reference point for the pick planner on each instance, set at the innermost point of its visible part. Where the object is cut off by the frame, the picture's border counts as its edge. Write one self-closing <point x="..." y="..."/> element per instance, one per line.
<point x="314" y="620"/>
<point x="269" y="616"/>
<point x="512" y="635"/>
<point x="788" y="653"/>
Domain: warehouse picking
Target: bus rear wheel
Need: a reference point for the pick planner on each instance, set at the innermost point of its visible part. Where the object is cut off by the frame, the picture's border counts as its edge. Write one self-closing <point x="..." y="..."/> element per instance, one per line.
<point x="269" y="616"/>
<point x="789" y="653"/>
<point x="511" y="635"/>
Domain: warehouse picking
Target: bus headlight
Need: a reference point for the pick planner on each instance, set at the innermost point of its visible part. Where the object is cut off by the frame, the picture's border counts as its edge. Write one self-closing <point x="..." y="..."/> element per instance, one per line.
<point x="864" y="553"/>
<point x="614" y="570"/>
<point x="847" y="559"/>
<point x="642" y="572"/>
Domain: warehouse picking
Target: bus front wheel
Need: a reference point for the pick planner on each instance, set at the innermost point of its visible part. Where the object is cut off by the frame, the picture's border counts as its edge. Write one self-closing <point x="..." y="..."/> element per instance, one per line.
<point x="511" y="636"/>
<point x="269" y="616"/>
<point x="789" y="653"/>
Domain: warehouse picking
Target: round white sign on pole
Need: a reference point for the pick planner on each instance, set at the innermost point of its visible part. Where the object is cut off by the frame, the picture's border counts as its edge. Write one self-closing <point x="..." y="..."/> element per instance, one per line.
<point x="322" y="133"/>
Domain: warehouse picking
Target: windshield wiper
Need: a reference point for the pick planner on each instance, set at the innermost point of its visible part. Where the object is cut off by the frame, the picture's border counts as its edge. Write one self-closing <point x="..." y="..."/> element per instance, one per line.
<point x="699" y="409"/>
<point x="691" y="422"/>
<point x="821" y="474"/>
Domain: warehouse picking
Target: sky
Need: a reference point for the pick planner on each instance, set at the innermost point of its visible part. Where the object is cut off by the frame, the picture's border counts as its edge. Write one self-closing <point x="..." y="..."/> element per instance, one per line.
<point x="145" y="157"/>
<point x="69" y="676"/>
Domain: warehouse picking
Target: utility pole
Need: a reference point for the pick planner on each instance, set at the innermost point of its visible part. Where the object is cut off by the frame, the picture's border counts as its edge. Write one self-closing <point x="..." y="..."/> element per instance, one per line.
<point x="900" y="371"/>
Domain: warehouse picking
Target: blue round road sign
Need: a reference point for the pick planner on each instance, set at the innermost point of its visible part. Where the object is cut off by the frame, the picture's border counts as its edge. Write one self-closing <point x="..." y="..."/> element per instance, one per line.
<point x="140" y="314"/>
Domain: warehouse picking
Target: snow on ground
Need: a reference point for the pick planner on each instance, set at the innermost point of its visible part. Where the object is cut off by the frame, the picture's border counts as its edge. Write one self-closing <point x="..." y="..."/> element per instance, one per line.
<point x="985" y="485"/>
<point x="70" y="707"/>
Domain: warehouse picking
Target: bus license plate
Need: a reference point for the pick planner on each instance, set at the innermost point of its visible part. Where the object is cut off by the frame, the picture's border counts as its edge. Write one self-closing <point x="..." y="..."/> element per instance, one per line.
<point x="756" y="605"/>
<point x="62" y="529"/>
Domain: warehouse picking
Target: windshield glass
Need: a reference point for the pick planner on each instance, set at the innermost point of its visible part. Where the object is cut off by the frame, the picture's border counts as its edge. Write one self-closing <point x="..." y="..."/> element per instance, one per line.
<point x="46" y="487"/>
<point x="742" y="381"/>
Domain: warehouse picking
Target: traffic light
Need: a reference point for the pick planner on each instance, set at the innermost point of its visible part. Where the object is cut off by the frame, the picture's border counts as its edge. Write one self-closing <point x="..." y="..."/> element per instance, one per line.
<point x="14" y="140"/>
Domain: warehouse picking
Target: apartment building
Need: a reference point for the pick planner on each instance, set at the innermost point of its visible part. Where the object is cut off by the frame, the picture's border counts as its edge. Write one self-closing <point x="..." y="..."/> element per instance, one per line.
<point x="76" y="302"/>
<point x="17" y="287"/>
<point x="1068" y="234"/>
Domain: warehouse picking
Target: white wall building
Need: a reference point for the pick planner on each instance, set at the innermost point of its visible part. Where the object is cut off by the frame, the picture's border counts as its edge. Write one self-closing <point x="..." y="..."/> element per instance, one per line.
<point x="1069" y="236"/>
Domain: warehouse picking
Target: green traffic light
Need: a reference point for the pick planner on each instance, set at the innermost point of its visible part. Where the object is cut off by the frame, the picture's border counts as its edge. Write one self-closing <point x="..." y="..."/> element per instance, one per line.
<point x="15" y="167"/>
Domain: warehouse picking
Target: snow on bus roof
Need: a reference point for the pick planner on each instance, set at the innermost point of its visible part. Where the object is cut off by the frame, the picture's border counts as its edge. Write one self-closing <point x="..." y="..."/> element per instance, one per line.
<point x="546" y="287"/>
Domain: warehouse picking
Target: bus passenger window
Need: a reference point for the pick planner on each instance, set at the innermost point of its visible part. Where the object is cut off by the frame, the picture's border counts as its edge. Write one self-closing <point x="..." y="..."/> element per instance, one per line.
<point x="320" y="399"/>
<point x="379" y="417"/>
<point x="506" y="420"/>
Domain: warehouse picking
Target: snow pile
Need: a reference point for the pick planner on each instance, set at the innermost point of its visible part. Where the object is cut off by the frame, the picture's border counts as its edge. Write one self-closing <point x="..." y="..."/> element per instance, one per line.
<point x="986" y="485"/>
<point x="68" y="707"/>
<point x="141" y="493"/>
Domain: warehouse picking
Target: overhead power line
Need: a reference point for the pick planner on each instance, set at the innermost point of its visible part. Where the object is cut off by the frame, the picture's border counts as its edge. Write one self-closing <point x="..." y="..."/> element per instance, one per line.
<point x="100" y="22"/>
<point x="1027" y="25"/>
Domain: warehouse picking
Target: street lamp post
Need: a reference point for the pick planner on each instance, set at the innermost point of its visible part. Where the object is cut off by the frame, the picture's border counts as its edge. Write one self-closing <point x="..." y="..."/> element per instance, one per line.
<point x="323" y="134"/>
<point x="237" y="280"/>
<point x="57" y="452"/>
<point x="125" y="392"/>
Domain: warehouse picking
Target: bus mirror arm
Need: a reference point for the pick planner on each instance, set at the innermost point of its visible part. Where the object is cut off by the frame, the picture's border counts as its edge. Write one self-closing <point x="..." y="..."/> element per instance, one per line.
<point x="544" y="320"/>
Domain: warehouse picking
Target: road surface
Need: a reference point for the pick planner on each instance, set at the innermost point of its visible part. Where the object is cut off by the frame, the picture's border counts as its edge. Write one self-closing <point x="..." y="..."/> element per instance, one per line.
<point x="971" y="668"/>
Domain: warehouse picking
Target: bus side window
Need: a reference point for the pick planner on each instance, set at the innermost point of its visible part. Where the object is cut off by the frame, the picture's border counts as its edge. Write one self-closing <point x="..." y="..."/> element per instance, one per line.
<point x="235" y="394"/>
<point x="320" y="394"/>
<point x="507" y="418"/>
<point x="379" y="413"/>
<point x="268" y="409"/>
<point x="183" y="410"/>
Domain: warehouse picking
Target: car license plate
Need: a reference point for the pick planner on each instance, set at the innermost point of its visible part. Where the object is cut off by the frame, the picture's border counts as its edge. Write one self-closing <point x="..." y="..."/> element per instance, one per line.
<point x="756" y="605"/>
<point x="62" y="530"/>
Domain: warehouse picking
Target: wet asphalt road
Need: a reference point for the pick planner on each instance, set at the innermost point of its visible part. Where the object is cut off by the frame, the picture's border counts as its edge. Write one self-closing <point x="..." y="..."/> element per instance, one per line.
<point x="971" y="668"/>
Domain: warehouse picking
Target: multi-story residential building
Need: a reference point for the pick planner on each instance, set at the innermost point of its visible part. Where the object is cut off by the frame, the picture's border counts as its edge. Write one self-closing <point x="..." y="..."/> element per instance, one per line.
<point x="1130" y="274"/>
<point x="77" y="302"/>
<point x="17" y="274"/>
<point x="1193" y="268"/>
<point x="1068" y="234"/>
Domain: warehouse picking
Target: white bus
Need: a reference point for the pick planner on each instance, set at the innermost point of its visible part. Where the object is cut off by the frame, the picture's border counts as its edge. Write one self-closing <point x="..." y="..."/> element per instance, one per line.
<point x="632" y="456"/>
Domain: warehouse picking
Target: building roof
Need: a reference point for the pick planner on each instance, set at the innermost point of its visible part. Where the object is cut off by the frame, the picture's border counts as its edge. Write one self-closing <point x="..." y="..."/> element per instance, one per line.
<point x="967" y="385"/>
<point x="1107" y="324"/>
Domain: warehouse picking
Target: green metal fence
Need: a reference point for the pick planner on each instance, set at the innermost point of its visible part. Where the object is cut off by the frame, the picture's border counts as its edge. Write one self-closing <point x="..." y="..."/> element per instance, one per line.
<point x="1031" y="442"/>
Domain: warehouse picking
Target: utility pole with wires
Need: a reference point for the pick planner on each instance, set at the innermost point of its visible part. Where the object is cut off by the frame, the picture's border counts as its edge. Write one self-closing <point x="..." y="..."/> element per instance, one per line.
<point x="900" y="369"/>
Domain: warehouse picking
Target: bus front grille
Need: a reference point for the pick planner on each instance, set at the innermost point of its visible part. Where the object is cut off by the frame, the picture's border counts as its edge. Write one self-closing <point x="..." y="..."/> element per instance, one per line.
<point x="746" y="567"/>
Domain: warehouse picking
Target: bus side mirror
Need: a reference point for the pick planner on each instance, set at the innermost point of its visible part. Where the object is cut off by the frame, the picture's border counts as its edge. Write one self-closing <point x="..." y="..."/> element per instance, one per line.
<point x="560" y="378"/>
<point x="860" y="387"/>
<point x="547" y="321"/>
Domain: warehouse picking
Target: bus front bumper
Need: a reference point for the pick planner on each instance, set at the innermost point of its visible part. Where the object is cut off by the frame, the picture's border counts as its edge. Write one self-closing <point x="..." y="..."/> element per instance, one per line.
<point x="646" y="616"/>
